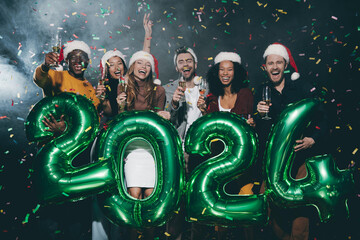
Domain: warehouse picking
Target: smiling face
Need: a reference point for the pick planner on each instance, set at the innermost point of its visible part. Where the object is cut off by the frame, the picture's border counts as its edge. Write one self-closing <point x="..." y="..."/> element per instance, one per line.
<point x="116" y="67"/>
<point x="78" y="61"/>
<point x="275" y="66"/>
<point x="186" y="66"/>
<point x="142" y="69"/>
<point x="226" y="72"/>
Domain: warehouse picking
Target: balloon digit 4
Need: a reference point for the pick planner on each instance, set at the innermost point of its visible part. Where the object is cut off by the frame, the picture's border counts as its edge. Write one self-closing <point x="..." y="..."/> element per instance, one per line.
<point x="324" y="187"/>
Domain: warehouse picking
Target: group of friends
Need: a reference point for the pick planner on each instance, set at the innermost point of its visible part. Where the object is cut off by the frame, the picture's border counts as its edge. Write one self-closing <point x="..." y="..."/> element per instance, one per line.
<point x="128" y="86"/>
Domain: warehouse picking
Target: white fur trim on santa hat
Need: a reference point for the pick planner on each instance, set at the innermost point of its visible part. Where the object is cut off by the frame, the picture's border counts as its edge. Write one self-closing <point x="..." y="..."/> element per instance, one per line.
<point x="157" y="82"/>
<point x="76" y="44"/>
<point x="227" y="56"/>
<point x="276" y="49"/>
<point x="295" y="76"/>
<point x="189" y="50"/>
<point x="107" y="56"/>
<point x="143" y="55"/>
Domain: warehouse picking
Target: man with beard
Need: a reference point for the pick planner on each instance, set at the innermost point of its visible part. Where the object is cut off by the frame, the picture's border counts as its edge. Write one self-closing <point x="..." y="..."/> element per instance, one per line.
<point x="283" y="92"/>
<point x="68" y="220"/>
<point x="183" y="113"/>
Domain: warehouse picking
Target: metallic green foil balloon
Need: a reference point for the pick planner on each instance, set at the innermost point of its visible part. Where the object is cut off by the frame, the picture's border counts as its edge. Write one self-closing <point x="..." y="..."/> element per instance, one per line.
<point x="325" y="186"/>
<point x="54" y="176"/>
<point x="117" y="204"/>
<point x="206" y="200"/>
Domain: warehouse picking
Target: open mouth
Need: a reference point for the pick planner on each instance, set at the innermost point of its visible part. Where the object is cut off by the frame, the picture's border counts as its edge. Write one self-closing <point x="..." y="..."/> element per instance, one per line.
<point x="118" y="73"/>
<point x="275" y="73"/>
<point x="142" y="72"/>
<point x="78" y="67"/>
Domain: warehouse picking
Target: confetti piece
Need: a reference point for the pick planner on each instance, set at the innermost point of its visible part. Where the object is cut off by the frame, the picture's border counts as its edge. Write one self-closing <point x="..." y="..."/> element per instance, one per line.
<point x="355" y="151"/>
<point x="203" y="211"/>
<point x="88" y="129"/>
<point x="193" y="219"/>
<point x="167" y="234"/>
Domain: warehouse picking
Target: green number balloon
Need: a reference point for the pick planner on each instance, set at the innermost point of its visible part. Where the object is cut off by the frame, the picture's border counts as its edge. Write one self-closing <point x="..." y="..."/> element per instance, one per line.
<point x="206" y="200"/>
<point x="325" y="186"/>
<point x="56" y="179"/>
<point x="155" y="210"/>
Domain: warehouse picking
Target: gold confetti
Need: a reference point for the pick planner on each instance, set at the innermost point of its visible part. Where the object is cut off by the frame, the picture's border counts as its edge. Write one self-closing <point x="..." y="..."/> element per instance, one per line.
<point x="167" y="234"/>
<point x="88" y="129"/>
<point x="317" y="62"/>
<point x="193" y="219"/>
<point x="355" y="151"/>
<point x="203" y="211"/>
<point x="210" y="58"/>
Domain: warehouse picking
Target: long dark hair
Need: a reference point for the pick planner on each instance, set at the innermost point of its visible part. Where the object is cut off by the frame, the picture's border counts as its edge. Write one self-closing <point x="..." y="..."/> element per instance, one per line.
<point x="215" y="86"/>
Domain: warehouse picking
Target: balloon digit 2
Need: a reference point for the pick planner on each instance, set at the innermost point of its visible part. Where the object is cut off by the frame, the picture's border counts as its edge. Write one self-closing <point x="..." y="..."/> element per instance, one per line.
<point x="55" y="177"/>
<point x="206" y="200"/>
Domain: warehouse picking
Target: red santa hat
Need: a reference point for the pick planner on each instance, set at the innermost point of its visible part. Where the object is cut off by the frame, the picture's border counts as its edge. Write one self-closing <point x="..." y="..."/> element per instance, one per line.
<point x="150" y="58"/>
<point x="283" y="51"/>
<point x="227" y="56"/>
<point x="106" y="57"/>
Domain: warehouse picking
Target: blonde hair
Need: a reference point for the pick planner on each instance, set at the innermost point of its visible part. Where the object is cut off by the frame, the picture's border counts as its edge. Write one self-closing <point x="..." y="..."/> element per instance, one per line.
<point x="133" y="90"/>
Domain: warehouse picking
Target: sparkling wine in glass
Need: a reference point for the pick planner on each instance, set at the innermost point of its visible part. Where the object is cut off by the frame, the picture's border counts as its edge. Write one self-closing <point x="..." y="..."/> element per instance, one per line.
<point x="122" y="88"/>
<point x="56" y="49"/>
<point x="202" y="87"/>
<point x="266" y="96"/>
<point x="182" y="83"/>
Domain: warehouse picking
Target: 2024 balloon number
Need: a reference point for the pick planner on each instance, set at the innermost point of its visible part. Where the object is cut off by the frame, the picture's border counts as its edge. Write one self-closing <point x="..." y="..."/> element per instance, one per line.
<point x="56" y="180"/>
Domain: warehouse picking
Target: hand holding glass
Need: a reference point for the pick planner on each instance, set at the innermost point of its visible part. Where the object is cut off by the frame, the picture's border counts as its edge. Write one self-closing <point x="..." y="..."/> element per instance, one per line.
<point x="266" y="96"/>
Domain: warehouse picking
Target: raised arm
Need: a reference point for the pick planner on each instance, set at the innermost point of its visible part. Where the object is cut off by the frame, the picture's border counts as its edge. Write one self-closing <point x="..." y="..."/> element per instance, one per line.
<point x="148" y="32"/>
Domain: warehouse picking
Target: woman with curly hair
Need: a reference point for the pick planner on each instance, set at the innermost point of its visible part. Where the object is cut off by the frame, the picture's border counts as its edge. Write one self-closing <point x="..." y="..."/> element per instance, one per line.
<point x="228" y="82"/>
<point x="228" y="87"/>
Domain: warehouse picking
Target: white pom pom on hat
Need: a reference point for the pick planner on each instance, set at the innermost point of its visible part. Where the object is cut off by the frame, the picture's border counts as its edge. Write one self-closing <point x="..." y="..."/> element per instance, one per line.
<point x="106" y="57"/>
<point x="76" y="45"/>
<point x="227" y="56"/>
<point x="283" y="51"/>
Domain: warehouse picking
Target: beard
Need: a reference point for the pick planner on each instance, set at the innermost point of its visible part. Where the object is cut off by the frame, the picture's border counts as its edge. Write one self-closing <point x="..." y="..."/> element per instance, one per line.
<point x="192" y="75"/>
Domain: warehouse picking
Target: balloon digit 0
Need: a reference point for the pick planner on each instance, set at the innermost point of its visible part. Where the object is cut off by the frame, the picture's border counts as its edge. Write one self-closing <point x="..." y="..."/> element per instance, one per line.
<point x="324" y="187"/>
<point x="56" y="179"/>
<point x="155" y="210"/>
<point x="206" y="199"/>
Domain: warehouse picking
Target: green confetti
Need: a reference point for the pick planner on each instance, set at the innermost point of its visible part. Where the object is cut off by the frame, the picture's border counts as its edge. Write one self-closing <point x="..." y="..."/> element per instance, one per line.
<point x="65" y="194"/>
<point x="37" y="208"/>
<point x="26" y="218"/>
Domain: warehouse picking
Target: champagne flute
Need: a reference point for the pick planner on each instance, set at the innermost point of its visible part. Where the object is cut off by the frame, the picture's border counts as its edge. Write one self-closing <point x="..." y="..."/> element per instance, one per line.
<point x="56" y="49"/>
<point x="266" y="96"/>
<point x="202" y="88"/>
<point x="122" y="88"/>
<point x="182" y="83"/>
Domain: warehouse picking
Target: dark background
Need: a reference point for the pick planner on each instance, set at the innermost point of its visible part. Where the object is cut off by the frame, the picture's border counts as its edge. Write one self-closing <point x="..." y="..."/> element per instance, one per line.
<point x="324" y="37"/>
